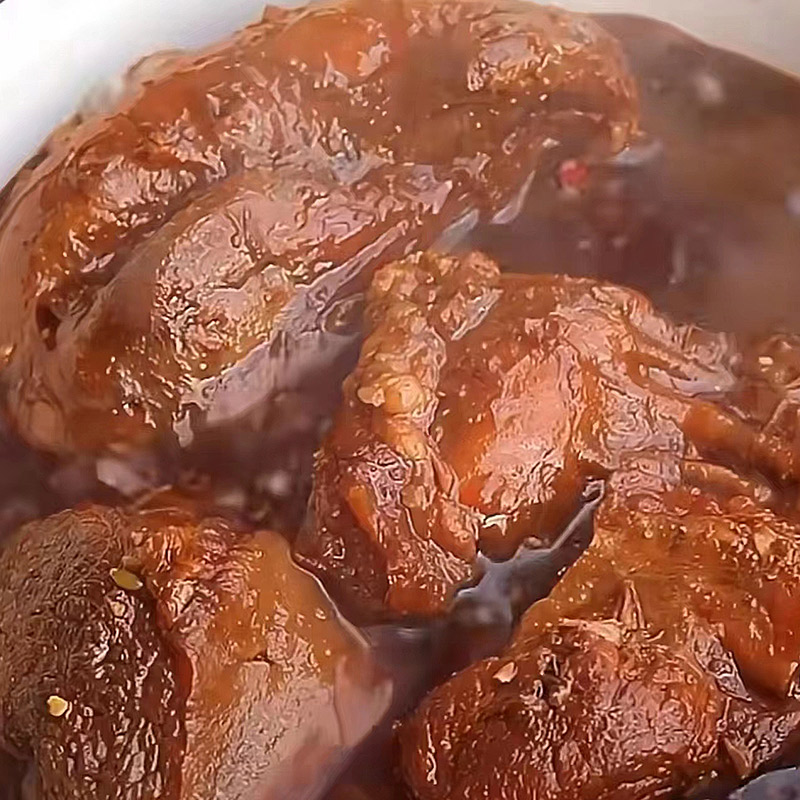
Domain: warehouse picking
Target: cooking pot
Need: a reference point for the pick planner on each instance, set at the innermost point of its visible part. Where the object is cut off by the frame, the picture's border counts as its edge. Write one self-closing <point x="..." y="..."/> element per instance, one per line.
<point x="54" y="53"/>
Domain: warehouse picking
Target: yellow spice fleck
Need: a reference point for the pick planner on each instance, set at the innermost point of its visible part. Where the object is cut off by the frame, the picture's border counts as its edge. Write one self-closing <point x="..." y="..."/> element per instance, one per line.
<point x="126" y="579"/>
<point x="57" y="706"/>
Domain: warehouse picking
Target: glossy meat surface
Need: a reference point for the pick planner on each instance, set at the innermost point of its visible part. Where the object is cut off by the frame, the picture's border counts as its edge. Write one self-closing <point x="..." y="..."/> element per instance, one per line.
<point x="761" y="423"/>
<point x="591" y="714"/>
<point x="698" y="550"/>
<point x="480" y="406"/>
<point x="149" y="655"/>
<point x="666" y="656"/>
<point x="409" y="116"/>
<point x="242" y="266"/>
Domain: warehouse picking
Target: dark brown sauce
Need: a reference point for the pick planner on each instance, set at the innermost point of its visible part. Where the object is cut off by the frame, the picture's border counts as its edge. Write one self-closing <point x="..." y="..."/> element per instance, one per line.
<point x="703" y="215"/>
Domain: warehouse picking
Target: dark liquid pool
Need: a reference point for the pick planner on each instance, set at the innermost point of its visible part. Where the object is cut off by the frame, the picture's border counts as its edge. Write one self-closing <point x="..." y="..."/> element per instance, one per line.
<point x="703" y="215"/>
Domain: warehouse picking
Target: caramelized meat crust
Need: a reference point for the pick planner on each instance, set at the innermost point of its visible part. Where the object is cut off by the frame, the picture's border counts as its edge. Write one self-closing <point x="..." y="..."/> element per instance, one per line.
<point x="163" y="253"/>
<point x="667" y="655"/>
<point x="593" y="713"/>
<point x="479" y="408"/>
<point x="150" y="655"/>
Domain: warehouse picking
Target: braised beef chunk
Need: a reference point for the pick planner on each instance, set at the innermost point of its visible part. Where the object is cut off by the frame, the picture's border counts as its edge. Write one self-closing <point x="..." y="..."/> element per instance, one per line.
<point x="667" y="655"/>
<point x="480" y="406"/>
<point x="243" y="265"/>
<point x="593" y="712"/>
<point x="151" y="655"/>
<point x="163" y="262"/>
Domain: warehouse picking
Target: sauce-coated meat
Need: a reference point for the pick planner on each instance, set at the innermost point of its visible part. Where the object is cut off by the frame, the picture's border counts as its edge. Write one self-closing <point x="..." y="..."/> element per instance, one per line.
<point x="149" y="655"/>
<point x="368" y="126"/>
<point x="480" y="406"/>
<point x="762" y="425"/>
<point x="593" y="713"/>
<point x="667" y="655"/>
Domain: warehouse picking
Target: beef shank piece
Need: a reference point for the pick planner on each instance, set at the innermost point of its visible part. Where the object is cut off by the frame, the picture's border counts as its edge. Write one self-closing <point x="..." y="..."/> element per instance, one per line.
<point x="149" y="655"/>
<point x="669" y="548"/>
<point x="593" y="713"/>
<point x="480" y="406"/>
<point x="244" y="265"/>
<point x="165" y="252"/>
<point x="666" y="656"/>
